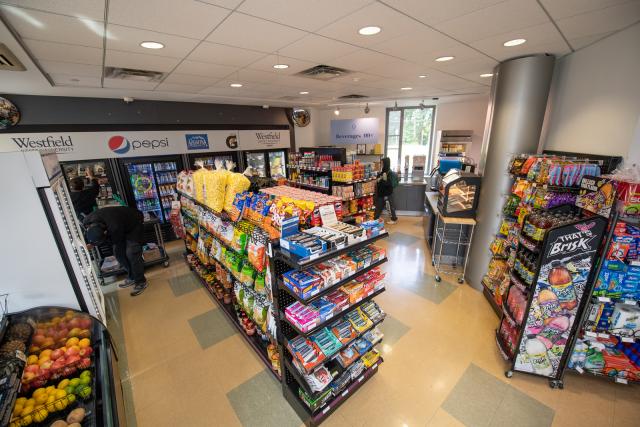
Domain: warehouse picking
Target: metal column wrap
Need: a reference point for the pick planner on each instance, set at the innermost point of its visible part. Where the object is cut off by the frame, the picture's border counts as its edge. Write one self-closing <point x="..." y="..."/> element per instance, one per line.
<point x="518" y="102"/>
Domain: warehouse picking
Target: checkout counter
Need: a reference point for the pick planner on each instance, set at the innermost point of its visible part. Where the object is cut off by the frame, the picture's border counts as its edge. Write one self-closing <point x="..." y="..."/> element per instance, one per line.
<point x="409" y="196"/>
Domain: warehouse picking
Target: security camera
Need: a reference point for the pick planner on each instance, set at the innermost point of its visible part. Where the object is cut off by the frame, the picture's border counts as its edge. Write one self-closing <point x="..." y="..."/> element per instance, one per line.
<point x="128" y="99"/>
<point x="435" y="98"/>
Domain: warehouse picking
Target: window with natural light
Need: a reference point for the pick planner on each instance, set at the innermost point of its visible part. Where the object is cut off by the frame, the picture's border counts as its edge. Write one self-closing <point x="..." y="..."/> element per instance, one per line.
<point x="409" y="133"/>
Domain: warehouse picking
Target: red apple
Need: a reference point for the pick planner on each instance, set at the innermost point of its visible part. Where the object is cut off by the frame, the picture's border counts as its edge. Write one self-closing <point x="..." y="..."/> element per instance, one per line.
<point x="38" y="339"/>
<point x="72" y="351"/>
<point x="74" y="323"/>
<point x="55" y="354"/>
<point x="39" y="331"/>
<point x="68" y="371"/>
<point x="34" y="369"/>
<point x="62" y="333"/>
<point x="85" y="352"/>
<point x="58" y="364"/>
<point x="46" y="364"/>
<point x="72" y="359"/>
<point x="84" y="363"/>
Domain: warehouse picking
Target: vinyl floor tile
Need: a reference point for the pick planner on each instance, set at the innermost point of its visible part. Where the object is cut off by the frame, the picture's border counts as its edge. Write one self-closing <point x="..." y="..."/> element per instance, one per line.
<point x="427" y="287"/>
<point x="259" y="402"/>
<point x="519" y="409"/>
<point x="211" y="327"/>
<point x="400" y="238"/>
<point x="184" y="284"/>
<point x="393" y="330"/>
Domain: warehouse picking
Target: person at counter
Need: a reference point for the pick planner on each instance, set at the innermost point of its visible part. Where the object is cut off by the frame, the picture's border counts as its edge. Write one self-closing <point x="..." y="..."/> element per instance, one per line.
<point x="384" y="190"/>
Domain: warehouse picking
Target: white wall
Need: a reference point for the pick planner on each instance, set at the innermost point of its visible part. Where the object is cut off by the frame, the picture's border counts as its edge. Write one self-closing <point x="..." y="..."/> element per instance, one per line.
<point x="595" y="98"/>
<point x="470" y="114"/>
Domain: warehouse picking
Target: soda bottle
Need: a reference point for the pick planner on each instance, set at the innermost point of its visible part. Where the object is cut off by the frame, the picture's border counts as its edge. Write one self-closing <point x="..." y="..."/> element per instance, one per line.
<point x="549" y="305"/>
<point x="561" y="282"/>
<point x="536" y="353"/>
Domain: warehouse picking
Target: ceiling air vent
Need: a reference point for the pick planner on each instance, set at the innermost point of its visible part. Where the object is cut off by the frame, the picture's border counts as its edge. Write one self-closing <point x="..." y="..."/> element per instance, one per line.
<point x="353" y="96"/>
<point x="8" y="61"/>
<point x="132" y="74"/>
<point x="323" y="72"/>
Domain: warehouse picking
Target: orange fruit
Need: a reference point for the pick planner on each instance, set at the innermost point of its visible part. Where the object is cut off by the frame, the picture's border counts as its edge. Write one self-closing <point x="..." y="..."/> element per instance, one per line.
<point x="84" y="342"/>
<point x="72" y="341"/>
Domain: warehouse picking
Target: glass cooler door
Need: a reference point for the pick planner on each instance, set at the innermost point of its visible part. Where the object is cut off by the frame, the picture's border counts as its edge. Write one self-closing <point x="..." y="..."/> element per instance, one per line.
<point x="143" y="185"/>
<point x="166" y="174"/>
<point x="258" y="162"/>
<point x="277" y="164"/>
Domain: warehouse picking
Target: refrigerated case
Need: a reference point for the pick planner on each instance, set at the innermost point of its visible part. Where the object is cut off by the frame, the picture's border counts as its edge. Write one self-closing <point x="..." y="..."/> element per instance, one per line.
<point x="103" y="171"/>
<point x="151" y="184"/>
<point x="208" y="159"/>
<point x="43" y="255"/>
<point x="268" y="163"/>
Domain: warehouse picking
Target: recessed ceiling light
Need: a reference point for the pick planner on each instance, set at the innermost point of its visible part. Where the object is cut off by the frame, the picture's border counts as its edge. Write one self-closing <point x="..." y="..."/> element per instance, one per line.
<point x="304" y="92"/>
<point x="406" y="88"/>
<point x="486" y="75"/>
<point x="236" y="85"/>
<point x="280" y="66"/>
<point x="369" y="31"/>
<point x="444" y="58"/>
<point x="514" y="42"/>
<point x="422" y="76"/>
<point x="152" y="45"/>
<point x="337" y="111"/>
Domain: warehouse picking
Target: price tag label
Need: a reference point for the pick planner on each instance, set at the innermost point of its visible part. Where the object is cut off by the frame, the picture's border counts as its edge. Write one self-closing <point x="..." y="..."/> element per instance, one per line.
<point x="591" y="334"/>
<point x="604" y="299"/>
<point x="284" y="244"/>
<point x="344" y="393"/>
<point x="314" y="256"/>
<point x="361" y="379"/>
<point x="603" y="335"/>
<point x="330" y="316"/>
<point x="627" y="339"/>
<point x="579" y="369"/>
<point x="630" y="302"/>
<point x="345" y="307"/>
<point x="358" y="300"/>
<point x="270" y="250"/>
<point x="621" y="380"/>
<point x="325" y="410"/>
<point x="340" y="245"/>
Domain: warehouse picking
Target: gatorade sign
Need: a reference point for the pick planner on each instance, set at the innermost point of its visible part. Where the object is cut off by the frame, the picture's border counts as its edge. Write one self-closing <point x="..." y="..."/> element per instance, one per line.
<point x="101" y="145"/>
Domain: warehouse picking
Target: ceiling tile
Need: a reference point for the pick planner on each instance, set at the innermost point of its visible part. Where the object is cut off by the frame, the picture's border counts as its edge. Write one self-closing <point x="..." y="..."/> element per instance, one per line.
<point x="84" y="70"/>
<point x="229" y="4"/>
<point x="92" y="9"/>
<point x="318" y="49"/>
<point x="186" y="18"/>
<point x="204" y="69"/>
<point x="257" y="76"/>
<point x="397" y="68"/>
<point x="128" y="39"/>
<point x="580" y="42"/>
<point x="55" y="28"/>
<point x="565" y="8"/>
<point x="224" y="55"/>
<point x="416" y="44"/>
<point x="174" y="87"/>
<point x="75" y="81"/>
<point x="63" y="52"/>
<point x="432" y="12"/>
<point x="361" y="60"/>
<point x="186" y="79"/>
<point x="129" y="84"/>
<point x="308" y="15"/>
<point x="267" y="63"/>
<point x="494" y="20"/>
<point x="600" y="21"/>
<point x="116" y="58"/>
<point x="545" y="35"/>
<point x="393" y="25"/>
<point x="253" y="33"/>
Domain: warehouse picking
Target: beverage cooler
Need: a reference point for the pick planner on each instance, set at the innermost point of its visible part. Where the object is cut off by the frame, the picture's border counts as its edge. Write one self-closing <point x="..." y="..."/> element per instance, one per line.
<point x="208" y="159"/>
<point x="268" y="163"/>
<point x="104" y="170"/>
<point x="151" y="184"/>
<point x="43" y="253"/>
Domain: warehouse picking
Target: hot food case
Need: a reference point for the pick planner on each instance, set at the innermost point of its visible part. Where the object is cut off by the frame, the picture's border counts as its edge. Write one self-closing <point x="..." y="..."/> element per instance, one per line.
<point x="459" y="194"/>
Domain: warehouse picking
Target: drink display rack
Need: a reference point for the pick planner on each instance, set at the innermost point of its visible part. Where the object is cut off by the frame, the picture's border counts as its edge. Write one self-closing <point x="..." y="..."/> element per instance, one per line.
<point x="606" y="345"/>
<point x="279" y="262"/>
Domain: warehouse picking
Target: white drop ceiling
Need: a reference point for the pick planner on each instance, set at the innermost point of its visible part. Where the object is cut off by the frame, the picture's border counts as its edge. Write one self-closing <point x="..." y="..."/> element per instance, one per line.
<point x="66" y="44"/>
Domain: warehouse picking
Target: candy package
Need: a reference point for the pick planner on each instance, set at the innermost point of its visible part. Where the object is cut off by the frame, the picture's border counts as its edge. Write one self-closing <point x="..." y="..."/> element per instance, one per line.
<point x="347" y="356"/>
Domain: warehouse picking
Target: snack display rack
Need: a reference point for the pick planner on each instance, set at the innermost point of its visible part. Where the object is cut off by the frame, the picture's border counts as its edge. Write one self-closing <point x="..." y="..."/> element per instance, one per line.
<point x="608" y="340"/>
<point x="272" y="341"/>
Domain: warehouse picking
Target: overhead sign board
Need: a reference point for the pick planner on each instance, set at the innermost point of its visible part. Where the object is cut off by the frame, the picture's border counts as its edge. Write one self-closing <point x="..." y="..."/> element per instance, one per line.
<point x="100" y="145"/>
<point x="355" y="131"/>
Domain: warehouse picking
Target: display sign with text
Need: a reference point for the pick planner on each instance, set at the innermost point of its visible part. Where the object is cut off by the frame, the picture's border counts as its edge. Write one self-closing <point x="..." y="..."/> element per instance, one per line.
<point x="355" y="131"/>
<point x="101" y="145"/>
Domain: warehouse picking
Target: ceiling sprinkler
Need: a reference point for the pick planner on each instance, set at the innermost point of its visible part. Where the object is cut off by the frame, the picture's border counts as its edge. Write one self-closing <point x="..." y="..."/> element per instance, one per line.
<point x="367" y="109"/>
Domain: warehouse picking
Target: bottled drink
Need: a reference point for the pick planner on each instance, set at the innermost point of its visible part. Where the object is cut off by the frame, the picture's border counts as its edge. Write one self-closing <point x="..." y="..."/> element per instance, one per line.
<point x="561" y="282"/>
<point x="537" y="355"/>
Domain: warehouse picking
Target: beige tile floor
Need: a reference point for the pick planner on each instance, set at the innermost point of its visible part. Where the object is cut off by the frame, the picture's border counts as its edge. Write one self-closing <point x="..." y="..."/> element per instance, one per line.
<point x="441" y="366"/>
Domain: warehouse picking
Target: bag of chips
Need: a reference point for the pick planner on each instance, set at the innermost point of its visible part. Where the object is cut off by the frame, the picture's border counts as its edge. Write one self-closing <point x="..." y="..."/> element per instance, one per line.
<point x="236" y="183"/>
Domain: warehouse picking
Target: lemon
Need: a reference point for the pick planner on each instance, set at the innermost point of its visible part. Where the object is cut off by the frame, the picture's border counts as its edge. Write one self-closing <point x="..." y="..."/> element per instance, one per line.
<point x="17" y="410"/>
<point x="41" y="398"/>
<point x="84" y="392"/>
<point x="26" y="420"/>
<point x="50" y="389"/>
<point x="26" y="411"/>
<point x="21" y="401"/>
<point x="60" y="394"/>
<point x="85" y="380"/>
<point x="71" y="397"/>
<point x="63" y="384"/>
<point x="32" y="360"/>
<point x="60" y="404"/>
<point x="85" y="373"/>
<point x="30" y="403"/>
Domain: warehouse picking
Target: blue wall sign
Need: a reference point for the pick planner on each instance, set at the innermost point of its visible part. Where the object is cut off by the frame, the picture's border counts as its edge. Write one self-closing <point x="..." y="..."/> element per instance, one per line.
<point x="355" y="131"/>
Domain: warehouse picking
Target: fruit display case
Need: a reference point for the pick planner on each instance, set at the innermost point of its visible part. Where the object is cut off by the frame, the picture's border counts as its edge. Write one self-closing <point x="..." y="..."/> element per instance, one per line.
<point x="55" y="370"/>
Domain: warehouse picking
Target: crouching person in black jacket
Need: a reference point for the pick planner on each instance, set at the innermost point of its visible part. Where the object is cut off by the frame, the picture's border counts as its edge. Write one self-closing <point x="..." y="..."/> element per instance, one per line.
<point x="122" y="227"/>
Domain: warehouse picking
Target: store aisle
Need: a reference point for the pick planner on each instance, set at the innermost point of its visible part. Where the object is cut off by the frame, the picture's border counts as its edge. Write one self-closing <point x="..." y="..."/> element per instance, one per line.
<point x="184" y="364"/>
